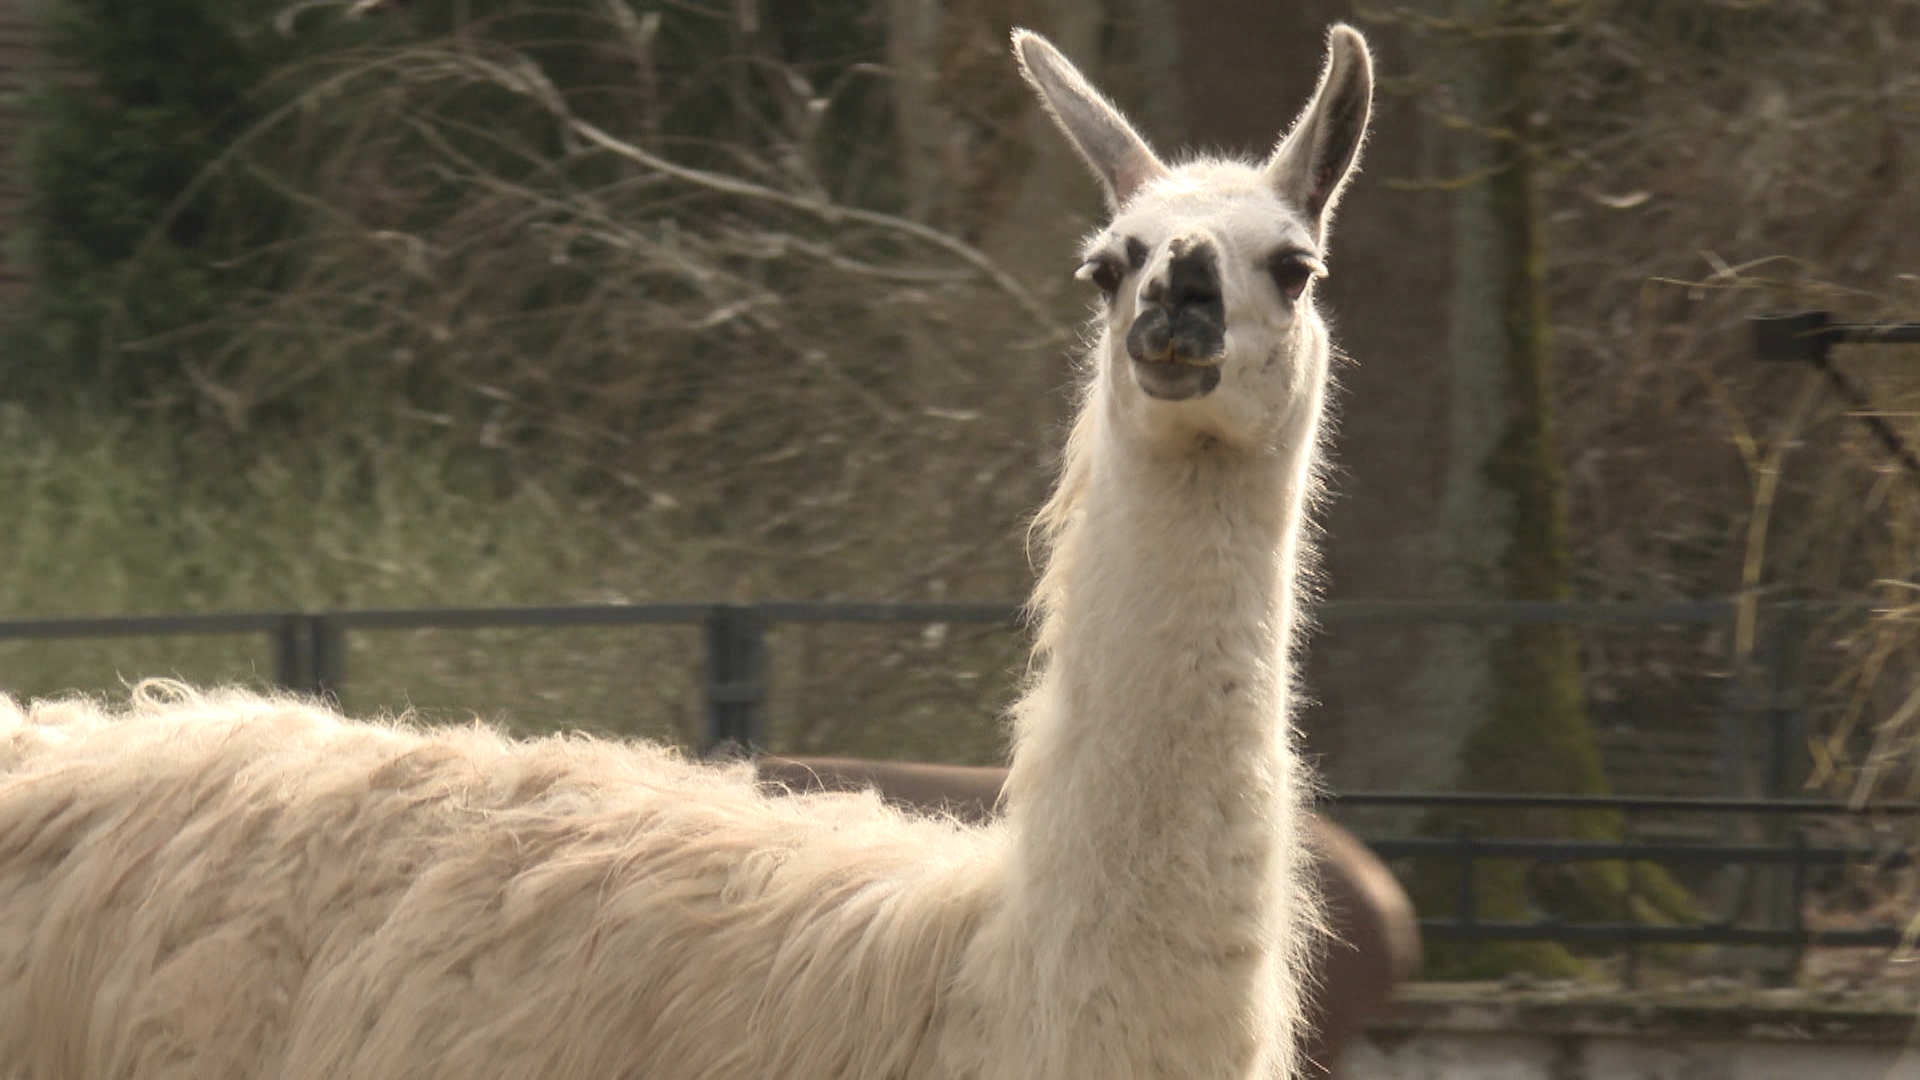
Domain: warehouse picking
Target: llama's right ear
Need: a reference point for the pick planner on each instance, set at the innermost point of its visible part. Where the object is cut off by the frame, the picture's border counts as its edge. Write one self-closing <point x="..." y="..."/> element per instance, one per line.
<point x="1313" y="163"/>
<point x="1119" y="156"/>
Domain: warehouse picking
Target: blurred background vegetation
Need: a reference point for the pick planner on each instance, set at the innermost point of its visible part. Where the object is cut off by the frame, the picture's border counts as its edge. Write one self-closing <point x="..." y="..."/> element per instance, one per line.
<point x="487" y="304"/>
<point x="434" y="302"/>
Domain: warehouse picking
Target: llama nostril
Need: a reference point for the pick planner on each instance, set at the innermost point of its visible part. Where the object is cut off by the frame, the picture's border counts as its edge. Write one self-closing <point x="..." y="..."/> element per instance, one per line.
<point x="1150" y="341"/>
<point x="1155" y="294"/>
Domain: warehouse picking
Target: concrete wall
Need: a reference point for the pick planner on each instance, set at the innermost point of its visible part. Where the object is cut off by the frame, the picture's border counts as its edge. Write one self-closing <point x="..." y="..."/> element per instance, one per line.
<point x="1480" y="1032"/>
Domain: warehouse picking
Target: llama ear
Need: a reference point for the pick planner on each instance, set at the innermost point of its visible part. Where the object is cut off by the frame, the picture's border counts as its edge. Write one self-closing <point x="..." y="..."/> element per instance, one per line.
<point x="1119" y="156"/>
<point x="1314" y="161"/>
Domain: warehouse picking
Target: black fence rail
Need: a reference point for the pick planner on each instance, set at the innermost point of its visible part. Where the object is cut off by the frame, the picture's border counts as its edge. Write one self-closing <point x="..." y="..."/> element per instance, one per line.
<point x="310" y="654"/>
<point x="1791" y="855"/>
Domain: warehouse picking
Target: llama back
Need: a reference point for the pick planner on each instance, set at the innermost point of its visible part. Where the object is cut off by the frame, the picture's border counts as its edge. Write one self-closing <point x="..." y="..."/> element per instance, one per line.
<point x="212" y="885"/>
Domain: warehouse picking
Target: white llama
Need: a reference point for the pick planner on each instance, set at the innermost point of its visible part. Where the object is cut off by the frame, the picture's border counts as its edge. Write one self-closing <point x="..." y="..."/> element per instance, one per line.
<point x="213" y="885"/>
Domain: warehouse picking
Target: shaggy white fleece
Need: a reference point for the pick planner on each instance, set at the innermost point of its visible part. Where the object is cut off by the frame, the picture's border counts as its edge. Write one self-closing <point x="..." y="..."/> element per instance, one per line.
<point x="226" y="885"/>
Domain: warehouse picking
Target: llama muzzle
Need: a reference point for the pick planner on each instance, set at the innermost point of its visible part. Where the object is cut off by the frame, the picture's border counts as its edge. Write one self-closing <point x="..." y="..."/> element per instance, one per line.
<point x="1179" y="339"/>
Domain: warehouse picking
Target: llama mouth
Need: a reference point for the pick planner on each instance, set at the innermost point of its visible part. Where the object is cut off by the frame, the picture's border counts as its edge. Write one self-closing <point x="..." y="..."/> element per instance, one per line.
<point x="1176" y="380"/>
<point x="1176" y="354"/>
<point x="1192" y="335"/>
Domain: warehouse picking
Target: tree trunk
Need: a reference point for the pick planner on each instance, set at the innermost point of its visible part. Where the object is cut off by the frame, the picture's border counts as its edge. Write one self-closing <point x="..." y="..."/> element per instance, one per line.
<point x="1513" y="697"/>
<point x="1505" y="505"/>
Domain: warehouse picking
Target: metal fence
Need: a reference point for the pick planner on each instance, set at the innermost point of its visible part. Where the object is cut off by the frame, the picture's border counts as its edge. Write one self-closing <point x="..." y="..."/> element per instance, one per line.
<point x="310" y="654"/>
<point x="1789" y="858"/>
<point x="1799" y="855"/>
<point x="310" y="648"/>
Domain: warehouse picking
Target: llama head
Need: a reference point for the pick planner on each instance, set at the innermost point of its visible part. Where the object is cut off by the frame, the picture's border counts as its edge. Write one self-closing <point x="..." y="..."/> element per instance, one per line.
<point x="1209" y="332"/>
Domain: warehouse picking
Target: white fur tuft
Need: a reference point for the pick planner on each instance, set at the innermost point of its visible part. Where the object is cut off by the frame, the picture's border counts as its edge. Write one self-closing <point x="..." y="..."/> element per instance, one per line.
<point x="222" y="884"/>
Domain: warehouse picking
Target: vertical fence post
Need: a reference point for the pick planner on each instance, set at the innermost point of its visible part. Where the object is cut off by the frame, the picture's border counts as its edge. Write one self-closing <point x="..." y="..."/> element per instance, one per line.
<point x="1797" y="918"/>
<point x="1629" y="913"/>
<point x="329" y="644"/>
<point x="1465" y="904"/>
<point x="1786" y="740"/>
<point x="1736" y="710"/>
<point x="1785" y="768"/>
<point x="289" y="654"/>
<point x="309" y="655"/>
<point x="736" y="679"/>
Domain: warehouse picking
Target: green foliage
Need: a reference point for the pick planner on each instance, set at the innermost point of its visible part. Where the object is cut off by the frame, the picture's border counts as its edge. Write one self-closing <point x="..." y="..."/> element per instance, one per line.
<point x="192" y="153"/>
<point x="112" y="515"/>
<point x="133" y="228"/>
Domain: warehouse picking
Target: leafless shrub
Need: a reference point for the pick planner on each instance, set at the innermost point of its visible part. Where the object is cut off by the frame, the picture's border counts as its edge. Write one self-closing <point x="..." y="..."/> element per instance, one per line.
<point x="579" y="275"/>
<point x="1719" y="160"/>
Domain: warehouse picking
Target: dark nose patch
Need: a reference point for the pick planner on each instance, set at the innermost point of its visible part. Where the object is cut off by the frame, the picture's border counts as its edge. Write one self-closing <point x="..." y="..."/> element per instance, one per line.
<point x="1183" y="318"/>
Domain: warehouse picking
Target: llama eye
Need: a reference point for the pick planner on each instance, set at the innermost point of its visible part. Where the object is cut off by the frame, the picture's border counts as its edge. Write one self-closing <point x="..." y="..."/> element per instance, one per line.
<point x="1105" y="273"/>
<point x="1293" y="271"/>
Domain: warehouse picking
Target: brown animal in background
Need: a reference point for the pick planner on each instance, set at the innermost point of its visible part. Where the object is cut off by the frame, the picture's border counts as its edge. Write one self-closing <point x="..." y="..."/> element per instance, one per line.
<point x="1375" y="938"/>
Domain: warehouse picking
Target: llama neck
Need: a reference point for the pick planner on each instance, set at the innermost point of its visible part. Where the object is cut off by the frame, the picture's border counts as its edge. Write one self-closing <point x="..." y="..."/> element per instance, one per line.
<point x="1152" y="784"/>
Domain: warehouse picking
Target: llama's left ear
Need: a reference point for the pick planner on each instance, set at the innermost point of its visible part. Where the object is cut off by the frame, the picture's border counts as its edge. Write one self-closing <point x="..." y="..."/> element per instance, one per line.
<point x="1312" y="164"/>
<point x="1119" y="156"/>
